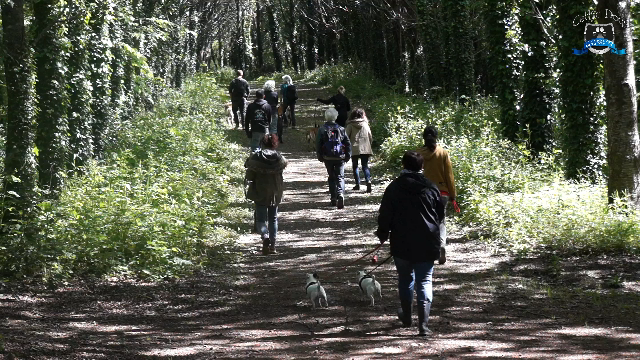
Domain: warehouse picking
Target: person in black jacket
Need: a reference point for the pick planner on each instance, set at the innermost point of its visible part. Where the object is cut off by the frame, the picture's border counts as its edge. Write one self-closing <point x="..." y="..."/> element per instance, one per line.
<point x="289" y="95"/>
<point x="239" y="92"/>
<point x="341" y="103"/>
<point x="258" y="120"/>
<point x="333" y="148"/>
<point x="271" y="96"/>
<point x="410" y="214"/>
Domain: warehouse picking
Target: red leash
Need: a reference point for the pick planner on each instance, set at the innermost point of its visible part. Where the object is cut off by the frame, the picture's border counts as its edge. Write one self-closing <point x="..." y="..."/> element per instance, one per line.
<point x="364" y="256"/>
<point x="455" y="203"/>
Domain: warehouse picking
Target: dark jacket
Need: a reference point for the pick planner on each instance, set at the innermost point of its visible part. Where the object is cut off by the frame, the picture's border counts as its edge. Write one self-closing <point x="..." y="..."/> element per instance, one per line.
<point x="264" y="169"/>
<point x="321" y="138"/>
<point x="411" y="210"/>
<point x="239" y="89"/>
<point x="259" y="116"/>
<point x="289" y="93"/>
<point x="271" y="97"/>
<point x="341" y="103"/>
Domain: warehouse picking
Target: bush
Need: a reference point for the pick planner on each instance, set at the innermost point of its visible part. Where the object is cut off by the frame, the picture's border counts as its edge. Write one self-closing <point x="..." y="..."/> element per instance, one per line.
<point x="157" y="206"/>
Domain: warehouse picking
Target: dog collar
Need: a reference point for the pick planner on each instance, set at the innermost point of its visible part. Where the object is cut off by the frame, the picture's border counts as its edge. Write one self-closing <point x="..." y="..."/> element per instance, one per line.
<point x="362" y="278"/>
<point x="309" y="284"/>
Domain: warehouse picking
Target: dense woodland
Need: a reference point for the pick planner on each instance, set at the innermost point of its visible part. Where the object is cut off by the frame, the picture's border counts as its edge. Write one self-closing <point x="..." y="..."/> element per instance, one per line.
<point x="74" y="75"/>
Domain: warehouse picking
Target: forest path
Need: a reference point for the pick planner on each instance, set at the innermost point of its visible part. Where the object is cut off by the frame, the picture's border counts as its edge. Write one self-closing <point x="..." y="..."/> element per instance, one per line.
<point x="485" y="305"/>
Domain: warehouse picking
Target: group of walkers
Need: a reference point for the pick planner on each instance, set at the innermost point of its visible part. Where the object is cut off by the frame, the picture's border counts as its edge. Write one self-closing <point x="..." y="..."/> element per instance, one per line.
<point x="412" y="210"/>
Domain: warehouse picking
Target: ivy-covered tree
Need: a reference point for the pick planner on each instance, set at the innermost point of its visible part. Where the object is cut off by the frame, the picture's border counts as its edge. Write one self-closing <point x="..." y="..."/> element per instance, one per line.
<point x="79" y="115"/>
<point x="579" y="84"/>
<point x="19" y="162"/>
<point x="535" y="113"/>
<point x="273" y="33"/>
<point x="502" y="65"/>
<point x="460" y="47"/>
<point x="99" y="55"/>
<point x="52" y="138"/>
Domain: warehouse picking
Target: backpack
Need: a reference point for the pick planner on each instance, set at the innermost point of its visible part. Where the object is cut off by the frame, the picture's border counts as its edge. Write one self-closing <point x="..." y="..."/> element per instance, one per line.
<point x="333" y="146"/>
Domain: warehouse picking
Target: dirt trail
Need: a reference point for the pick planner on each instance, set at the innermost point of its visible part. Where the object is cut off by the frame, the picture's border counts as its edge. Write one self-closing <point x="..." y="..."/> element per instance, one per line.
<point x="485" y="305"/>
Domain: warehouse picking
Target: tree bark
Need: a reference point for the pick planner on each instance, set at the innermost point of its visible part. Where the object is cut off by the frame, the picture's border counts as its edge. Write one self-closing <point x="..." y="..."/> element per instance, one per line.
<point x="273" y="32"/>
<point x="620" y="92"/>
<point x="19" y="161"/>
<point x="259" y="40"/>
<point x="292" y="36"/>
<point x="311" y="36"/>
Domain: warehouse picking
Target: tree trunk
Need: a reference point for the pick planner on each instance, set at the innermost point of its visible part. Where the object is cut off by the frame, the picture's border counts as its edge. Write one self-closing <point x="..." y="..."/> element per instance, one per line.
<point x="259" y="40"/>
<point x="311" y="36"/>
<point x="79" y="88"/>
<point x="19" y="161"/>
<point x="579" y="85"/>
<point x="620" y="93"/>
<point x="292" y="36"/>
<point x="52" y="129"/>
<point x="273" y="32"/>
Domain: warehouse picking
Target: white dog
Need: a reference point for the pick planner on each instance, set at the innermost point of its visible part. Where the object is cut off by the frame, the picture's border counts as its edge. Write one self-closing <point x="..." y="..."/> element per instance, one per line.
<point x="315" y="291"/>
<point x="369" y="286"/>
<point x="228" y="107"/>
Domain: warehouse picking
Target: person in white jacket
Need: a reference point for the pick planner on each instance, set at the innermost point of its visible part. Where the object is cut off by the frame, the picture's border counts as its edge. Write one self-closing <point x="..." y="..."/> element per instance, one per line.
<point x="360" y="135"/>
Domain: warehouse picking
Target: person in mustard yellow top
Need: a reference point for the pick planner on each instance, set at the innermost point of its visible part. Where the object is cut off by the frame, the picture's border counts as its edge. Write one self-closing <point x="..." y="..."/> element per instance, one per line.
<point x="437" y="168"/>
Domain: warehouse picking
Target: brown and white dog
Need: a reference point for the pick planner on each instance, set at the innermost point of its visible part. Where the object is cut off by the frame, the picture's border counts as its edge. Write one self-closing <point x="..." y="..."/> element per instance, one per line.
<point x="312" y="133"/>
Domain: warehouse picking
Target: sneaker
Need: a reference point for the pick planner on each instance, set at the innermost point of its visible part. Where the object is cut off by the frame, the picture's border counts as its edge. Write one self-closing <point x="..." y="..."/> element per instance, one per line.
<point x="443" y="256"/>
<point x="265" y="249"/>
<point x="357" y="187"/>
<point x="340" y="202"/>
<point x="272" y="249"/>
<point x="368" y="187"/>
<point x="333" y="202"/>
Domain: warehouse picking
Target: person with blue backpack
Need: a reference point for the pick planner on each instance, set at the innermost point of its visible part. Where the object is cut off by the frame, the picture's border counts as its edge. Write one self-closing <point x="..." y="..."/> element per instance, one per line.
<point x="333" y="148"/>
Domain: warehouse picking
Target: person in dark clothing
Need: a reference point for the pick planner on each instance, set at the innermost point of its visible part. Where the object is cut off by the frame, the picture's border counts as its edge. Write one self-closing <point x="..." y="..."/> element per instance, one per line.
<point x="289" y="95"/>
<point x="258" y="120"/>
<point x="264" y="172"/>
<point x="333" y="148"/>
<point x="239" y="92"/>
<point x="271" y="96"/>
<point x="409" y="216"/>
<point x="341" y="103"/>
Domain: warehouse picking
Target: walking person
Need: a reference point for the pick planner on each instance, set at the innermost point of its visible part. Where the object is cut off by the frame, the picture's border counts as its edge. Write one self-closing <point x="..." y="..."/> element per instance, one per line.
<point x="437" y="168"/>
<point x="264" y="173"/>
<point x="258" y="120"/>
<point x="239" y="92"/>
<point x="333" y="148"/>
<point x="271" y="96"/>
<point x="360" y="136"/>
<point x="341" y="103"/>
<point x="409" y="215"/>
<point x="289" y="95"/>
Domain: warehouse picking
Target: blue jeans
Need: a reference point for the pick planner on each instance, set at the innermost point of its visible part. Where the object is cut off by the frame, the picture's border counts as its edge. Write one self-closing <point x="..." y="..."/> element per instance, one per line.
<point x="335" y="169"/>
<point x="408" y="273"/>
<point x="365" y="168"/>
<point x="267" y="222"/>
<point x="256" y="138"/>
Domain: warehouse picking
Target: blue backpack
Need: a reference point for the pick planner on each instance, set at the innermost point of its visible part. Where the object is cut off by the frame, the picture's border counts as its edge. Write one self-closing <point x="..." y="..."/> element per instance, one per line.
<point x="333" y="146"/>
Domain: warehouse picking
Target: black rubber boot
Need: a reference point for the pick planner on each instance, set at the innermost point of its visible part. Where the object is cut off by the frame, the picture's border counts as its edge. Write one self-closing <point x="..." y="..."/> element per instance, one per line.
<point x="404" y="313"/>
<point x="265" y="246"/>
<point x="368" y="187"/>
<point x="424" y="308"/>
<point x="357" y="187"/>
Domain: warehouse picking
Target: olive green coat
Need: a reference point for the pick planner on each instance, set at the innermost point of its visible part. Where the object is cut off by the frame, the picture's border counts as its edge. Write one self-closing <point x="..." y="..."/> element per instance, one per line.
<point x="264" y="173"/>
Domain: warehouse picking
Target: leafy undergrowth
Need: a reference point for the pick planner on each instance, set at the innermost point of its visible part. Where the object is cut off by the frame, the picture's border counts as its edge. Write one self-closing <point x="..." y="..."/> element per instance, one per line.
<point x="524" y="205"/>
<point x="157" y="207"/>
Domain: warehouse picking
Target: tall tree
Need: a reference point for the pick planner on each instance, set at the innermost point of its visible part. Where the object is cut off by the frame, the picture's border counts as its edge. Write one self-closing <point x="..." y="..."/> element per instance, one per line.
<point x="502" y="66"/>
<point x="19" y="161"/>
<point x="311" y="35"/>
<point x="259" y="41"/>
<point x="579" y="84"/>
<point x="536" y="98"/>
<point x="432" y="28"/>
<point x="291" y="27"/>
<point x="273" y="32"/>
<point x="622" y="112"/>
<point x="460" y="54"/>
<point x="99" y="65"/>
<point x="79" y="87"/>
<point x="52" y="131"/>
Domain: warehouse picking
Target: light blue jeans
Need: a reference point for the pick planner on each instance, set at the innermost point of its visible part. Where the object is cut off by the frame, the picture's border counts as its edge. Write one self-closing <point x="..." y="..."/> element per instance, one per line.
<point x="256" y="138"/>
<point x="414" y="275"/>
<point x="443" y="229"/>
<point x="267" y="222"/>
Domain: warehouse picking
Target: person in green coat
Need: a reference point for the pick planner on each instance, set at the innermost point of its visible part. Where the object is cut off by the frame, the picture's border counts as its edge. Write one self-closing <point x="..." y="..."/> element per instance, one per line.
<point x="266" y="185"/>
